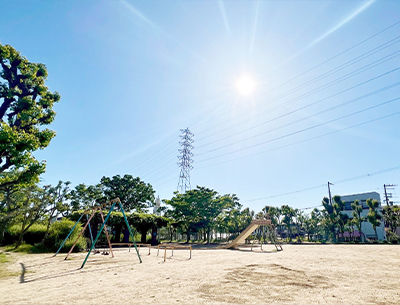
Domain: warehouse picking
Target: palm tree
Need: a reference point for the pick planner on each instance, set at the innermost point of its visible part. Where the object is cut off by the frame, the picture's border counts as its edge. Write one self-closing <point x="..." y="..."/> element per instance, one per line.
<point x="333" y="215"/>
<point x="391" y="215"/>
<point x="301" y="220"/>
<point x="357" y="209"/>
<point x="373" y="216"/>
<point x="315" y="221"/>
<point x="288" y="214"/>
<point x="329" y="218"/>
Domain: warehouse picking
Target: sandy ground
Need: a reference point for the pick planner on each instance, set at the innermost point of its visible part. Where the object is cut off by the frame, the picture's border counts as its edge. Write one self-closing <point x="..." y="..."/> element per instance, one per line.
<point x="301" y="274"/>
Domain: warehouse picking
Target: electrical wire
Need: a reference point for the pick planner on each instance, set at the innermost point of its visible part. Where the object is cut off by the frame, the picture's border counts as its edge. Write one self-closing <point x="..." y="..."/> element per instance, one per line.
<point x="300" y="131"/>
<point x="394" y="168"/>
<point x="320" y="64"/>
<point x="305" y="140"/>
<point x="305" y="118"/>
<point x="323" y="87"/>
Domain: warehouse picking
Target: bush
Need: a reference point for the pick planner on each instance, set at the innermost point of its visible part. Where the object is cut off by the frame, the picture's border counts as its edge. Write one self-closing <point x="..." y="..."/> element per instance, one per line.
<point x="392" y="237"/>
<point x="59" y="230"/>
<point x="34" y="235"/>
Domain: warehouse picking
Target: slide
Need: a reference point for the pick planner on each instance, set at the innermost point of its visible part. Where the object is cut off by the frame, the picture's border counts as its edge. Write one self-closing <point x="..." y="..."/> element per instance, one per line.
<point x="246" y="233"/>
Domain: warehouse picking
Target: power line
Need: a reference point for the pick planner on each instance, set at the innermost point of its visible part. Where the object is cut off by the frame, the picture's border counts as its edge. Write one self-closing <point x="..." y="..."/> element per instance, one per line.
<point x="330" y="84"/>
<point x="156" y="172"/>
<point x="337" y="55"/>
<point x="305" y="140"/>
<point x="318" y="65"/>
<point x="152" y="156"/>
<point x="309" y="208"/>
<point x="301" y="130"/>
<point x="324" y="185"/>
<point x="358" y="58"/>
<point x="167" y="170"/>
<point x="307" y="117"/>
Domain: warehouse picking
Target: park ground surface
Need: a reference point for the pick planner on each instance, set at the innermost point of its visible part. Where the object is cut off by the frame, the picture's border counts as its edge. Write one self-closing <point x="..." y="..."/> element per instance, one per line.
<point x="301" y="274"/>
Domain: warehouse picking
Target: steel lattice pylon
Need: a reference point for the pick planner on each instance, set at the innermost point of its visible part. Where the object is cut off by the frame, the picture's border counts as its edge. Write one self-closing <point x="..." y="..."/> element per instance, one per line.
<point x="185" y="160"/>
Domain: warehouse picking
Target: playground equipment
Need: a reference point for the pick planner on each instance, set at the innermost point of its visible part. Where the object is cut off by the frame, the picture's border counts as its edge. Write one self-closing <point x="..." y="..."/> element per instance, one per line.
<point x="103" y="226"/>
<point x="250" y="229"/>
<point x="172" y="248"/>
<point x="130" y="244"/>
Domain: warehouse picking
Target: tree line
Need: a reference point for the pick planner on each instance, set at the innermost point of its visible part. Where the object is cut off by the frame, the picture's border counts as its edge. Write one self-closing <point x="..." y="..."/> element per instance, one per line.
<point x="331" y="223"/>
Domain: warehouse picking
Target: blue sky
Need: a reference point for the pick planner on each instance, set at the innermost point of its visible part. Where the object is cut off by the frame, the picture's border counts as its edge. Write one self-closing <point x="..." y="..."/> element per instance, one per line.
<point x="131" y="74"/>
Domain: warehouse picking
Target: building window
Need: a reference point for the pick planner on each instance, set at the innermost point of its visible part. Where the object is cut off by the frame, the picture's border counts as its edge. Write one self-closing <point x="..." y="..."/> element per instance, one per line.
<point x="364" y="204"/>
<point x="347" y="205"/>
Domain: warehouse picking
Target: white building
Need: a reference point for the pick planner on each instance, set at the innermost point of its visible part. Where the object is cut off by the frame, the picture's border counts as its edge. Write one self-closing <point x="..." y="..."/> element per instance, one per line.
<point x="366" y="227"/>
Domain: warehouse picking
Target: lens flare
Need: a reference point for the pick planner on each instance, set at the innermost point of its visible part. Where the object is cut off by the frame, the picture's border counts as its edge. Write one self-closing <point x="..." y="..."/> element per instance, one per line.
<point x="245" y="85"/>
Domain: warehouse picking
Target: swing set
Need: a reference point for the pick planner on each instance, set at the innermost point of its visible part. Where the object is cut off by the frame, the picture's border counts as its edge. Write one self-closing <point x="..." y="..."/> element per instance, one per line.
<point x="103" y="226"/>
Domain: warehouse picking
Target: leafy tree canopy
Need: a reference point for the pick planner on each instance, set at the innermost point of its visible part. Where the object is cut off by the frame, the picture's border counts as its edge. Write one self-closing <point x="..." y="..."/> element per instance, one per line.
<point x="84" y="197"/>
<point x="373" y="216"/>
<point x="201" y="208"/>
<point x="26" y="106"/>
<point x="134" y="194"/>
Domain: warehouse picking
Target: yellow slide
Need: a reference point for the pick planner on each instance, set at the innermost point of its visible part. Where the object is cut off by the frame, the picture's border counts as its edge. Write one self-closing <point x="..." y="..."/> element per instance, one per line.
<point x="247" y="232"/>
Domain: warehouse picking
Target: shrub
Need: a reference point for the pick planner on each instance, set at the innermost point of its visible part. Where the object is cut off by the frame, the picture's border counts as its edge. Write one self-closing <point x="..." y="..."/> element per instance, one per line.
<point x="59" y="230"/>
<point x="392" y="237"/>
<point x="34" y="235"/>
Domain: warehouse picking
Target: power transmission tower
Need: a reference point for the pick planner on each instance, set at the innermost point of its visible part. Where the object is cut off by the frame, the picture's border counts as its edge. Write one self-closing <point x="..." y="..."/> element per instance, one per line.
<point x="388" y="195"/>
<point x="185" y="160"/>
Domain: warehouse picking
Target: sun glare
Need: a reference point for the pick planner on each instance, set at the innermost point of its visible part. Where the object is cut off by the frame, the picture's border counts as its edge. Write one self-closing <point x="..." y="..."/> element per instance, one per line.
<point x="245" y="85"/>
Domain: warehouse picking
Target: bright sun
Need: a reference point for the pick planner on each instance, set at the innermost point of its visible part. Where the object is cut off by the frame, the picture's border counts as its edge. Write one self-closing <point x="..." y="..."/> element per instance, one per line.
<point x="245" y="85"/>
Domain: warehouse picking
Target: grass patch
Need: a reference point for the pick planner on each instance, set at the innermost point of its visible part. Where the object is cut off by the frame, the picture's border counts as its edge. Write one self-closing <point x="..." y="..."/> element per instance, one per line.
<point x="24" y="248"/>
<point x="4" y="258"/>
<point x="4" y="272"/>
<point x="28" y="249"/>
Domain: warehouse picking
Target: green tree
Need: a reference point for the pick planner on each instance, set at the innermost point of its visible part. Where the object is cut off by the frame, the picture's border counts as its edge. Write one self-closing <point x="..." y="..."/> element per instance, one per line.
<point x="200" y="209"/>
<point x="246" y="216"/>
<point x="32" y="207"/>
<point x="312" y="222"/>
<point x="229" y="203"/>
<point x="300" y="222"/>
<point x="85" y="197"/>
<point x="373" y="216"/>
<point x="26" y="106"/>
<point x="275" y="214"/>
<point x="288" y="214"/>
<point x="55" y="198"/>
<point x="391" y="215"/>
<point x="135" y="195"/>
<point x="333" y="217"/>
<point x="144" y="222"/>
<point x="183" y="212"/>
<point x="357" y="218"/>
<point x="9" y="208"/>
<point x="272" y="213"/>
<point x="341" y="218"/>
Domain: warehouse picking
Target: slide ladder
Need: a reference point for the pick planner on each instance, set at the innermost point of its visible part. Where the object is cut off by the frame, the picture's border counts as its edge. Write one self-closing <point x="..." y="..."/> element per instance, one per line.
<point x="273" y="239"/>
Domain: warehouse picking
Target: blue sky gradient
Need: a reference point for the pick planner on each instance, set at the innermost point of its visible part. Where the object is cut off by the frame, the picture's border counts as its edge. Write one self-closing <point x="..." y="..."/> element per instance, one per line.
<point x="131" y="74"/>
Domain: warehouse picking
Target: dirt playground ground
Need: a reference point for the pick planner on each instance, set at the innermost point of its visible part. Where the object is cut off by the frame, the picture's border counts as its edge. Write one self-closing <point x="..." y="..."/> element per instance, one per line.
<point x="301" y="274"/>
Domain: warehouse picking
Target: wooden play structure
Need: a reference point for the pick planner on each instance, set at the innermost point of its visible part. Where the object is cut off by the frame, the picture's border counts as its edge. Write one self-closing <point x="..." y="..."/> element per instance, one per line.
<point x="172" y="247"/>
<point x="131" y="244"/>
<point x="270" y="231"/>
<point x="103" y="226"/>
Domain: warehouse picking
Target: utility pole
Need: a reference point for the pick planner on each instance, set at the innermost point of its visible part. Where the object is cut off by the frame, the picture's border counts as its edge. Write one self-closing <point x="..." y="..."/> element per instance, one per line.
<point x="185" y="160"/>
<point x="329" y="190"/>
<point x="388" y="195"/>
